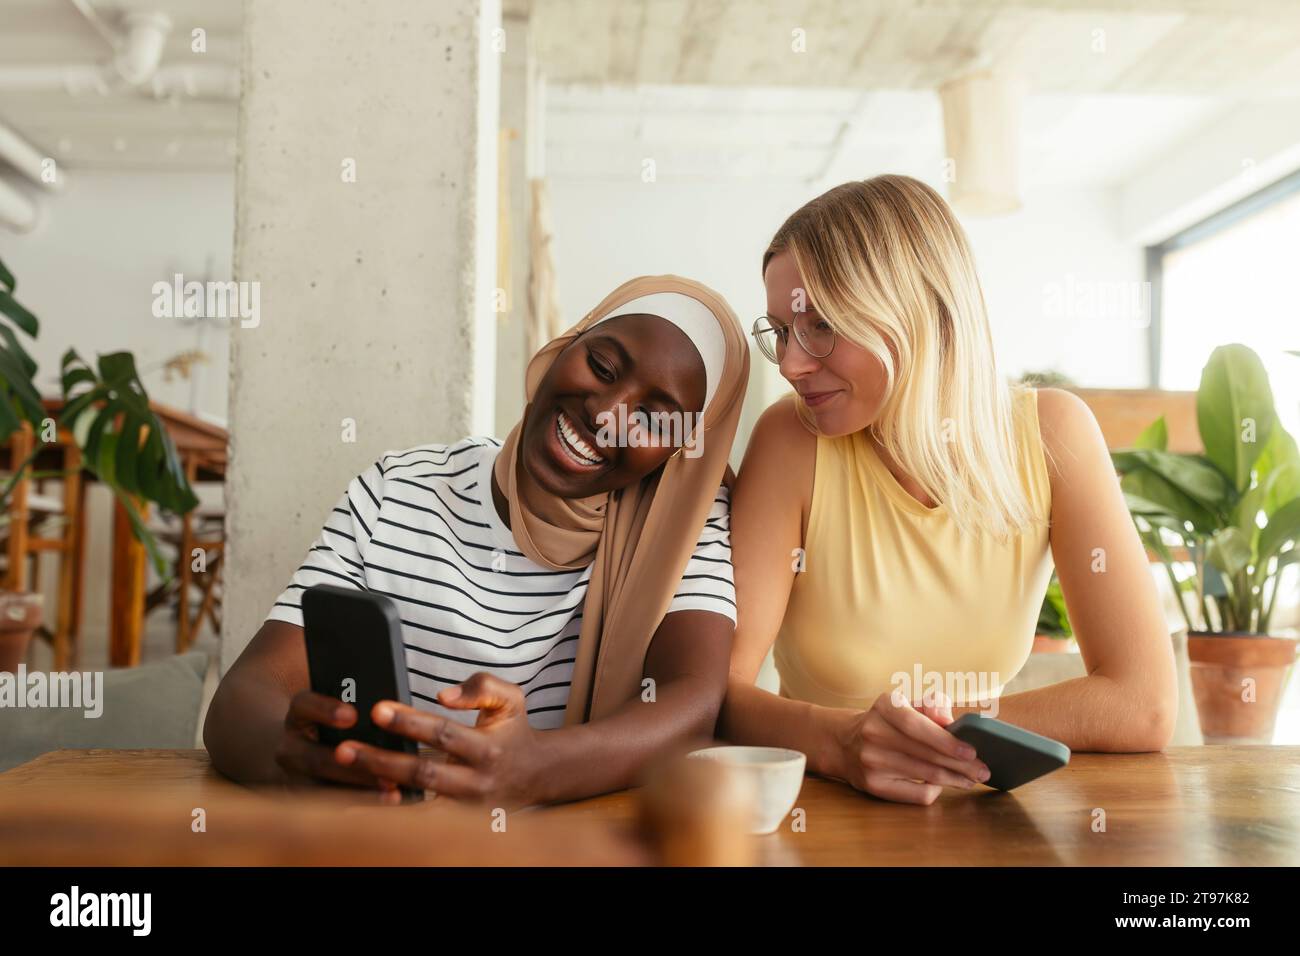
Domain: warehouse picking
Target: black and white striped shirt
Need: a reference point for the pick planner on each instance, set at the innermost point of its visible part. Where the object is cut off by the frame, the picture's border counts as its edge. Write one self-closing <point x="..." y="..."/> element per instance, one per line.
<point x="420" y="527"/>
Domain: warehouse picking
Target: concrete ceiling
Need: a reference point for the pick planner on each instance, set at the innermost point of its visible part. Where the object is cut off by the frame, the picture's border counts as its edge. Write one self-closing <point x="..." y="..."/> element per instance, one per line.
<point x="713" y="90"/>
<point x="114" y="126"/>
<point x="860" y="95"/>
<point x="1165" y="47"/>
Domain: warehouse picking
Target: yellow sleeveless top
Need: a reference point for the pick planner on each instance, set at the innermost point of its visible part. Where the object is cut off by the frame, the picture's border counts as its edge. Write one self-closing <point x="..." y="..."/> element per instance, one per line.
<point x="891" y="587"/>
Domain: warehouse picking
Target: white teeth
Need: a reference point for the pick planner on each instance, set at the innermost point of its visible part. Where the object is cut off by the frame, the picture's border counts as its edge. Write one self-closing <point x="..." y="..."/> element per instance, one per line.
<point x="579" y="447"/>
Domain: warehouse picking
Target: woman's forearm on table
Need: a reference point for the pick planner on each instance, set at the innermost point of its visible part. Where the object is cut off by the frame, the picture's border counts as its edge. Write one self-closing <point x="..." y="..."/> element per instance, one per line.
<point x="1093" y="713"/>
<point x="753" y="716"/>
<point x="243" y="728"/>
<point x="600" y="756"/>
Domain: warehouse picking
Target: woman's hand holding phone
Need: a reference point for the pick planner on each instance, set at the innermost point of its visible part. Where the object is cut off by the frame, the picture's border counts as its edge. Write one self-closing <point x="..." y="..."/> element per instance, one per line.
<point x="899" y="752"/>
<point x="499" y="759"/>
<point x="306" y="761"/>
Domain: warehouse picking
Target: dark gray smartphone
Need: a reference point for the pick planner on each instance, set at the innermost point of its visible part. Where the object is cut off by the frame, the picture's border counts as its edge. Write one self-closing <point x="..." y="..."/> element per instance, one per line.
<point x="355" y="653"/>
<point x="1013" y="755"/>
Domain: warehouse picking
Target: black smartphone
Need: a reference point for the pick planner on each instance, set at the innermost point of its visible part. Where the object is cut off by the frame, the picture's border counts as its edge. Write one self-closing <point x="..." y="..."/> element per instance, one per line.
<point x="1013" y="755"/>
<point x="354" y="653"/>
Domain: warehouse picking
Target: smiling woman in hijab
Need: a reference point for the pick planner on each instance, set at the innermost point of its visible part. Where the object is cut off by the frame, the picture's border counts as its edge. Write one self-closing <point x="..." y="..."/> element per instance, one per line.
<point x="566" y="595"/>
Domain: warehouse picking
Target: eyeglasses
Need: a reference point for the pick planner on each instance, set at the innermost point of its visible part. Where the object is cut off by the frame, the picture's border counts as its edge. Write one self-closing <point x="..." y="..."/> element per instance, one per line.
<point x="815" y="335"/>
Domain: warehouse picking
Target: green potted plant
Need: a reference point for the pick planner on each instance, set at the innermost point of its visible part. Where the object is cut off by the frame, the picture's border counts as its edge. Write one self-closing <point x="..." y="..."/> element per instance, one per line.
<point x="123" y="444"/>
<point x="1234" y="513"/>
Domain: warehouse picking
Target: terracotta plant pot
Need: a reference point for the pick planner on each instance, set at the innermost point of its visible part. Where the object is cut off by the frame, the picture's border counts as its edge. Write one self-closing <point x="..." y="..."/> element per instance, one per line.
<point x="1050" y="644"/>
<point x="1221" y="666"/>
<point x="20" y="616"/>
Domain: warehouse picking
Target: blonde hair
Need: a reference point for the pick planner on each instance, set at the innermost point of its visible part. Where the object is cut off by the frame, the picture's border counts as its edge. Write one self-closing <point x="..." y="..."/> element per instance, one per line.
<point x="886" y="263"/>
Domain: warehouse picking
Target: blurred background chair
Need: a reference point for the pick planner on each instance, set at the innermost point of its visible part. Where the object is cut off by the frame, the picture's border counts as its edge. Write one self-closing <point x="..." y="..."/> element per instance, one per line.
<point x="39" y="522"/>
<point x="193" y="591"/>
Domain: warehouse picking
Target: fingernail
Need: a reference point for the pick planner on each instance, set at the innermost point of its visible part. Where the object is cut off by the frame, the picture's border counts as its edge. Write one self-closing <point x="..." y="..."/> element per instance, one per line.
<point x="345" y="754"/>
<point x="382" y="713"/>
<point x="968" y="753"/>
<point x="451" y="693"/>
<point x="341" y="714"/>
<point x="983" y="774"/>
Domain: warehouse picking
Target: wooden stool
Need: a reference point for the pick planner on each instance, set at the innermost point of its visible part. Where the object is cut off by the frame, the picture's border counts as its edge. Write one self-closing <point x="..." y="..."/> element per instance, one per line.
<point x="29" y="512"/>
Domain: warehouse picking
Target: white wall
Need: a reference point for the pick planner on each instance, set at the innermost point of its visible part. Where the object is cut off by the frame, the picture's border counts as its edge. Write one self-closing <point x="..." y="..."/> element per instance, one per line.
<point x="89" y="267"/>
<point x="1039" y="268"/>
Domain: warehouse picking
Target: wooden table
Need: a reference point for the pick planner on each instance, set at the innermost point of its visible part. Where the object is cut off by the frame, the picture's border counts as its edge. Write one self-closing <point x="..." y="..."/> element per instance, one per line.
<point x="170" y="808"/>
<point x="1190" y="806"/>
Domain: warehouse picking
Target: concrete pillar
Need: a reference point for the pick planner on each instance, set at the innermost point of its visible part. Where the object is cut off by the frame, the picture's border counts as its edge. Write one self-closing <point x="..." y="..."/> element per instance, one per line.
<point x="366" y="212"/>
<point x="521" y="139"/>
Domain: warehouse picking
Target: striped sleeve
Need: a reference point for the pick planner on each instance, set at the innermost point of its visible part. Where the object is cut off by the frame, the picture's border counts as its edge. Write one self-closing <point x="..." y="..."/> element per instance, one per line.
<point x="337" y="555"/>
<point x="707" y="584"/>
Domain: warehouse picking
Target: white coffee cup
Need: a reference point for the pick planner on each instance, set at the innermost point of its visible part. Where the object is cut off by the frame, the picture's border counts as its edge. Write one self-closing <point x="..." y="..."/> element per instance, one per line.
<point x="776" y="776"/>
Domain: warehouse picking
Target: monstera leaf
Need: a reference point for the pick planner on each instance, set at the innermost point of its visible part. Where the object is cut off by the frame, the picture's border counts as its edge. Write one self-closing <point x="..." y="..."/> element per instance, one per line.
<point x="19" y="399"/>
<point x="125" y="442"/>
<point x="107" y="410"/>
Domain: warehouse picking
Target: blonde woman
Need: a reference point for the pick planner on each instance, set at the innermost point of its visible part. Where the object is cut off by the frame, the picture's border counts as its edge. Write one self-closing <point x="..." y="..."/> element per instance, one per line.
<point x="896" y="520"/>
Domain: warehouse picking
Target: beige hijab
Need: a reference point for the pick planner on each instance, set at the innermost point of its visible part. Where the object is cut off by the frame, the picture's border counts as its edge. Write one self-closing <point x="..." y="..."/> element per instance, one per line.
<point x="639" y="538"/>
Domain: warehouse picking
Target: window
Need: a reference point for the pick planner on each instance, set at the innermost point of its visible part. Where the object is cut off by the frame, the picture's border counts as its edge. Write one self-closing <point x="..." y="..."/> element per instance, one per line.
<point x="1233" y="278"/>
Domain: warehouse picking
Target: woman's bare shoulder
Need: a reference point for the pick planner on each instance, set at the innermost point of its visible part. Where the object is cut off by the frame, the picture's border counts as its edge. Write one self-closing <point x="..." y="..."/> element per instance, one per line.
<point x="781" y="452"/>
<point x="781" y="433"/>
<point x="1069" y="430"/>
